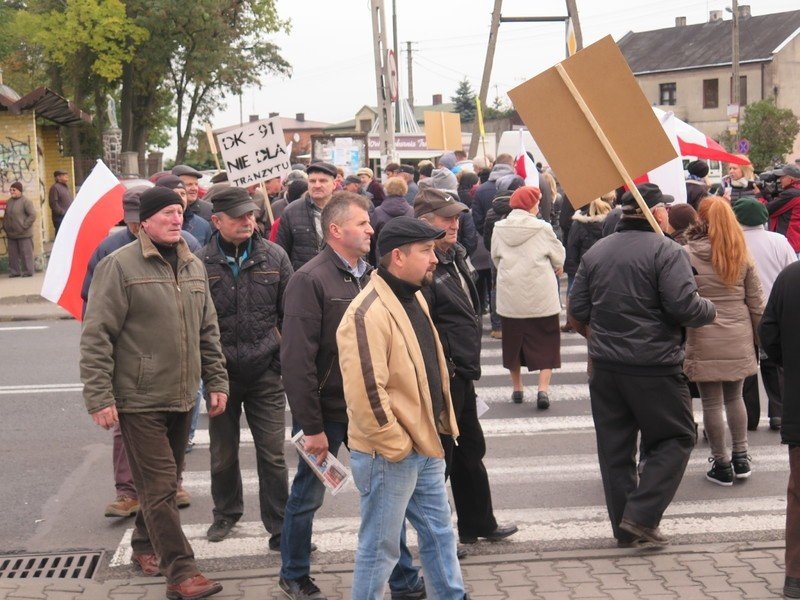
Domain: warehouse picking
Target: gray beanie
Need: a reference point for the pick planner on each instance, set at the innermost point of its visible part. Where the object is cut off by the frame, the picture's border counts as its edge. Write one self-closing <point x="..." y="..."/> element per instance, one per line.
<point x="443" y="179"/>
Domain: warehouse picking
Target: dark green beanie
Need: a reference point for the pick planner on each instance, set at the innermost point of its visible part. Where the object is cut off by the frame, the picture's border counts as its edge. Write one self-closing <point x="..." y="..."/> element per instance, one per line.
<point x="750" y="212"/>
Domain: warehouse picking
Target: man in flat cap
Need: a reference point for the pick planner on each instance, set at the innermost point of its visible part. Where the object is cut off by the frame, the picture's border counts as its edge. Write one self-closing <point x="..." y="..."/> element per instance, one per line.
<point x="126" y="503"/>
<point x="784" y="210"/>
<point x="191" y="179"/>
<point x="455" y="309"/>
<point x="247" y="276"/>
<point x="397" y="388"/>
<point x="636" y="290"/>
<point x="150" y="332"/>
<point x="59" y="197"/>
<point x="300" y="231"/>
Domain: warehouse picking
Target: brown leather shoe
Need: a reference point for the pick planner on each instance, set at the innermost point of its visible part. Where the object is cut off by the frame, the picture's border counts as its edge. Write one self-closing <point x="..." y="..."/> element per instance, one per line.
<point x="147" y="563"/>
<point x="123" y="506"/>
<point x="183" y="498"/>
<point x="193" y="588"/>
<point x="651" y="535"/>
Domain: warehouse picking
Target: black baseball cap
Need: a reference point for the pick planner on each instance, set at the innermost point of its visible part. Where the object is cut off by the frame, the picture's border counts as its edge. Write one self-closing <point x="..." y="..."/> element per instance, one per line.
<point x="406" y="230"/>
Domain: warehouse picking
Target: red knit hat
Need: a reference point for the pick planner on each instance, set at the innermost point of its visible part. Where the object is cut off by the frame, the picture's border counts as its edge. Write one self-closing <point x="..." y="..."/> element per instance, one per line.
<point x="525" y="198"/>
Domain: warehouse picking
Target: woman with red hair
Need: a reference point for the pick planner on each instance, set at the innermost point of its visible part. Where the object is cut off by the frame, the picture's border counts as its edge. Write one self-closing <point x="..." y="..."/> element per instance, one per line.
<point x="719" y="356"/>
<point x="526" y="253"/>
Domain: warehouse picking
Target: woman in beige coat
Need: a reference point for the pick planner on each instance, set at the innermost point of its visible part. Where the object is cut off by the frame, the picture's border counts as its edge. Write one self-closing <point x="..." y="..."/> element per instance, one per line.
<point x="720" y="355"/>
<point x="527" y="253"/>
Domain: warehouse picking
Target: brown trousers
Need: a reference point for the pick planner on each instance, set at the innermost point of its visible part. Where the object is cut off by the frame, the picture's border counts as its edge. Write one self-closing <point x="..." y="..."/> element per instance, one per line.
<point x="793" y="514"/>
<point x="156" y="443"/>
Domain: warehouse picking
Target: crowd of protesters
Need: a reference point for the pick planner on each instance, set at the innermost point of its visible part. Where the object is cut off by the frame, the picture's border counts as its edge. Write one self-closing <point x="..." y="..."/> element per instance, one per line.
<point x="360" y="300"/>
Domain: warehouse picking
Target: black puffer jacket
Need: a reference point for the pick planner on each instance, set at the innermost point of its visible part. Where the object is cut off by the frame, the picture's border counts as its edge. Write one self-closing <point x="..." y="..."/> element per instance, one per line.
<point x="453" y="313"/>
<point x="249" y="307"/>
<point x="315" y="302"/>
<point x="779" y="334"/>
<point x="636" y="290"/>
<point x="297" y="232"/>
<point x="391" y="207"/>
<point x="498" y="212"/>
<point x="583" y="234"/>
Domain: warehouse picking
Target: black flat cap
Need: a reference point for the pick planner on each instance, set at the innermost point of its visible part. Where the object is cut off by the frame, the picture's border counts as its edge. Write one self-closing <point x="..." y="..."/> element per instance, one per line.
<point x="220" y="177"/>
<point x="352" y="179"/>
<point x="172" y="182"/>
<point x="651" y="194"/>
<point x="186" y="170"/>
<point x="407" y="169"/>
<point x="234" y="202"/>
<point x="406" y="230"/>
<point x="322" y="167"/>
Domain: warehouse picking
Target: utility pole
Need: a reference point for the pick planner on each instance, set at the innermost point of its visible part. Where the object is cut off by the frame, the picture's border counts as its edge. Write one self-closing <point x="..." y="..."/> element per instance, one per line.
<point x="410" y="78"/>
<point x="396" y="58"/>
<point x="487" y="72"/>
<point x="572" y="13"/>
<point x="735" y="84"/>
<point x="385" y="113"/>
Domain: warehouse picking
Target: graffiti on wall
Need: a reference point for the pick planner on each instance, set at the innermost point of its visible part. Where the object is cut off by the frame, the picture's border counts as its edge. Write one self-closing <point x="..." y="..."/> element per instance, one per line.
<point x="16" y="162"/>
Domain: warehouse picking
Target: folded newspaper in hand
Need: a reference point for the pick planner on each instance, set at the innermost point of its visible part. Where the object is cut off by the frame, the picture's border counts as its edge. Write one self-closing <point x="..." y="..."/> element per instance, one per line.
<point x="333" y="474"/>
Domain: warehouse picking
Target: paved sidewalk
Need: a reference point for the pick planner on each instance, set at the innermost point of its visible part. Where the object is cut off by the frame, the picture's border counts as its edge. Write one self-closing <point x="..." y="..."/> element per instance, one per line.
<point x="718" y="571"/>
<point x="20" y="300"/>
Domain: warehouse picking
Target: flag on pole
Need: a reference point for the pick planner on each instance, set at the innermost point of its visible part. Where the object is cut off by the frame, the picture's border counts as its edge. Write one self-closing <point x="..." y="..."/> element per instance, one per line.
<point x="693" y="142"/>
<point x="524" y="166"/>
<point x="96" y="209"/>
<point x="572" y="41"/>
<point x="479" y="111"/>
<point x="669" y="177"/>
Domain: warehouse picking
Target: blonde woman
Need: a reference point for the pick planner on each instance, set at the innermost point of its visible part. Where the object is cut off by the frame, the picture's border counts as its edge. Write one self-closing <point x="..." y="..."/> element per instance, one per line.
<point x="739" y="180"/>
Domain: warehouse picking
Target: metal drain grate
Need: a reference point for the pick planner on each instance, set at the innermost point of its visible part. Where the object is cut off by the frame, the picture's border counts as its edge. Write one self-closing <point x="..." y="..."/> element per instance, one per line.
<point x="69" y="565"/>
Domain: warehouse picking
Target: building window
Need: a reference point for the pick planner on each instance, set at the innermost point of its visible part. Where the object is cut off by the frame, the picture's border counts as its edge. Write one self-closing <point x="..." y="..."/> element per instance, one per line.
<point x="667" y="94"/>
<point x="742" y="90"/>
<point x="710" y="93"/>
<point x="365" y="125"/>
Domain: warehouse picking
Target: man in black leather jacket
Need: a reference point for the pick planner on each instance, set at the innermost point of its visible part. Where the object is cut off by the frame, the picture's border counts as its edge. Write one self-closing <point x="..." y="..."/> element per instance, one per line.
<point x="636" y="290"/>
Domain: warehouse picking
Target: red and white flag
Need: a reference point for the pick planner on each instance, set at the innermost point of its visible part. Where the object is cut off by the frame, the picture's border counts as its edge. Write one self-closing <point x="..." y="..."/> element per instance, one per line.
<point x="669" y="177"/>
<point x="524" y="166"/>
<point x="693" y="142"/>
<point x="95" y="210"/>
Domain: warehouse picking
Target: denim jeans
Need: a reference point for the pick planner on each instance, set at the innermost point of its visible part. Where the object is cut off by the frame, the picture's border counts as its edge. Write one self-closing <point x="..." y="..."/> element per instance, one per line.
<point x="305" y="498"/>
<point x="196" y="410"/>
<point x="414" y="488"/>
<point x="494" y="318"/>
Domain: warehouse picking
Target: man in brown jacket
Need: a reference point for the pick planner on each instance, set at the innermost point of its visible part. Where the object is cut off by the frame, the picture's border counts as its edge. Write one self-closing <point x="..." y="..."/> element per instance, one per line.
<point x="18" y="223"/>
<point x="396" y="385"/>
<point x="59" y="197"/>
<point x="150" y="331"/>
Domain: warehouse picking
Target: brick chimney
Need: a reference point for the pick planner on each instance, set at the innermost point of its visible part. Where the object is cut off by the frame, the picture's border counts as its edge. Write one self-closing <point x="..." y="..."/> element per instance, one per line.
<point x="744" y="11"/>
<point x="437" y="99"/>
<point x="714" y="16"/>
<point x="680" y="21"/>
<point x="300" y="116"/>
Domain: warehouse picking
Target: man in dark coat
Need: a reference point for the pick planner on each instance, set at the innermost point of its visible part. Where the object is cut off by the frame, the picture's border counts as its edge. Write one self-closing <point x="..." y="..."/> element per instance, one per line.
<point x="59" y="197"/>
<point x="247" y="276"/>
<point x="636" y="290"/>
<point x="18" y="224"/>
<point x="455" y="308"/>
<point x="779" y="334"/>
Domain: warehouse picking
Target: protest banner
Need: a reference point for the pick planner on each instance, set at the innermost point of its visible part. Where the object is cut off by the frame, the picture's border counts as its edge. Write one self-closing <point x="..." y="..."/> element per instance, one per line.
<point x="443" y="130"/>
<point x="254" y="152"/>
<point x="593" y="124"/>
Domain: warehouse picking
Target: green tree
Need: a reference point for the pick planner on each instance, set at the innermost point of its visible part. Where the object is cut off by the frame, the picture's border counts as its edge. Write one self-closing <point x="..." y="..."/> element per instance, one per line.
<point x="464" y="99"/>
<point x="771" y="132"/>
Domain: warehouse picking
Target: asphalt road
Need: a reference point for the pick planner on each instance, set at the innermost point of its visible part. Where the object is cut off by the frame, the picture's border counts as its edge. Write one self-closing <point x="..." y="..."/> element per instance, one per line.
<point x="55" y="468"/>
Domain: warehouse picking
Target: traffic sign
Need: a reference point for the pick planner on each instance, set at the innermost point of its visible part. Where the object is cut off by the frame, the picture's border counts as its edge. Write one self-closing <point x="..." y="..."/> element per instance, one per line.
<point x="391" y="65"/>
<point x="743" y="146"/>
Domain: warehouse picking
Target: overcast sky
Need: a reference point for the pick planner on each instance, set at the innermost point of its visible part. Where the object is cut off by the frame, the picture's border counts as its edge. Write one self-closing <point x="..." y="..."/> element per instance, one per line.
<point x="331" y="52"/>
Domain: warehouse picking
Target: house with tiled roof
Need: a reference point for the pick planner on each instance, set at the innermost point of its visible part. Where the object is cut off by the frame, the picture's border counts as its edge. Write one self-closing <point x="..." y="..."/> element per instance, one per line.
<point x="687" y="69"/>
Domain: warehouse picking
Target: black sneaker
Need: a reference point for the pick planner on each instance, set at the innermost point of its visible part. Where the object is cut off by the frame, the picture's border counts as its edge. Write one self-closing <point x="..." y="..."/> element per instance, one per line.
<point x="741" y="465"/>
<point x="301" y="589"/>
<point x="417" y="593"/>
<point x="219" y="529"/>
<point x="542" y="401"/>
<point x="720" y="473"/>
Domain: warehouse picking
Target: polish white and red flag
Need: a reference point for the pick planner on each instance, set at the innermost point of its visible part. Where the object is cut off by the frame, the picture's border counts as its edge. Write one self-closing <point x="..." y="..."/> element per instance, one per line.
<point x="524" y="166"/>
<point x="693" y="142"/>
<point x="95" y="210"/>
<point x="668" y="177"/>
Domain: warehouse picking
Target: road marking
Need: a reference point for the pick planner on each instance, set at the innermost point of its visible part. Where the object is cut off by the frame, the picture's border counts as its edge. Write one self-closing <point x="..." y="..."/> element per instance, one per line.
<point x="54" y="388"/>
<point x="566" y="367"/>
<point x="491" y="427"/>
<point x="565" y="351"/>
<point x="24" y="327"/>
<point x="511" y="471"/>
<point x="740" y="515"/>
